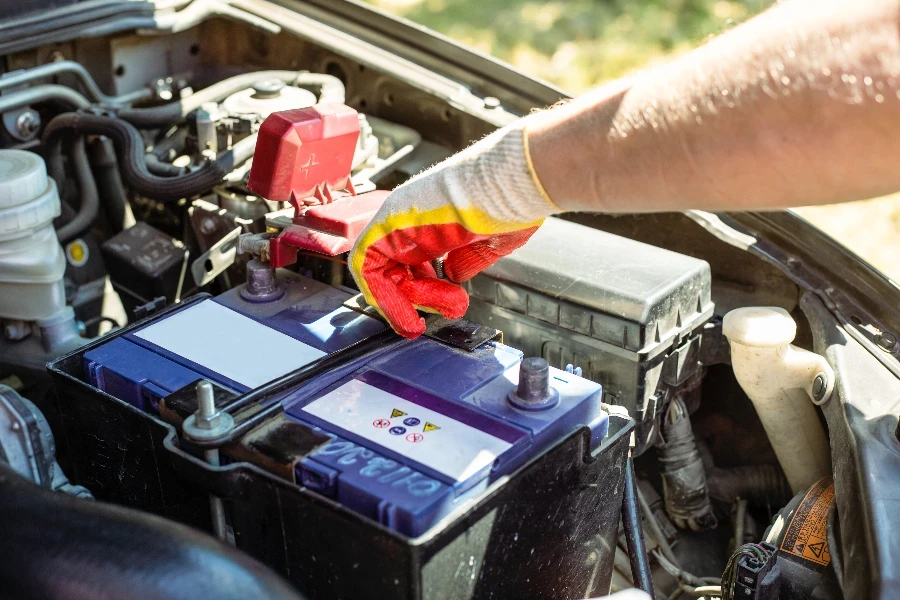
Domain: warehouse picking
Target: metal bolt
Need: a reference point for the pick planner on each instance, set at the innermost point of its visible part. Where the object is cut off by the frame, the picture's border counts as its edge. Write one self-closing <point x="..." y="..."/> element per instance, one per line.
<point x="27" y="124"/>
<point x="491" y="102"/>
<point x="207" y="415"/>
<point x="15" y="330"/>
<point x="208" y="226"/>
<point x="533" y="391"/>
<point x="886" y="341"/>
<point x="820" y="384"/>
<point x="209" y="422"/>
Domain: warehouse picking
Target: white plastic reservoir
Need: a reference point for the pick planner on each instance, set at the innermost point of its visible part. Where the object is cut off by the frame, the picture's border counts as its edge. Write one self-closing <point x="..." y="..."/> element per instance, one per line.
<point x="32" y="262"/>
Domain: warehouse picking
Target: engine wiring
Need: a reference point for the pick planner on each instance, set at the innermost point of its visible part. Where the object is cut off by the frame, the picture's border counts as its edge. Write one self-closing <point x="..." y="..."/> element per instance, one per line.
<point x="729" y="576"/>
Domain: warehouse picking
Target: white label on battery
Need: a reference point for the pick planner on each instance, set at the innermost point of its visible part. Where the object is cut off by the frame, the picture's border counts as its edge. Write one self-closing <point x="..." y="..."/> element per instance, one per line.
<point x="230" y="344"/>
<point x="455" y="449"/>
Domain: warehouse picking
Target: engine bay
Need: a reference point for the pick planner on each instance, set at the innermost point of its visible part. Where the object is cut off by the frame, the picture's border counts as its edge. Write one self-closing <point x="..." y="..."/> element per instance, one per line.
<point x="209" y="359"/>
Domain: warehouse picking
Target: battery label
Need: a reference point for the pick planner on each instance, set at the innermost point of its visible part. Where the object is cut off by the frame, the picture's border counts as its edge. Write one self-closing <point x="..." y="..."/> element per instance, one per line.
<point x="425" y="436"/>
<point x="229" y="343"/>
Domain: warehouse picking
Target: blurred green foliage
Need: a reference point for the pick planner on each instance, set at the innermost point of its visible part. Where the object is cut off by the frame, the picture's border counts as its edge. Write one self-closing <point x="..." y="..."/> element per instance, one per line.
<point x="577" y="44"/>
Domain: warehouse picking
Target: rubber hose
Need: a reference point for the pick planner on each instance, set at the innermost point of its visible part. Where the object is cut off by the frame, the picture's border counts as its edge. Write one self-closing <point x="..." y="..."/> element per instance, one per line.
<point x="109" y="183"/>
<point x="684" y="479"/>
<point x="175" y="112"/>
<point x="130" y="147"/>
<point x="761" y="485"/>
<point x="90" y="199"/>
<point x="42" y="93"/>
<point x="331" y="89"/>
<point x="162" y="168"/>
<point x="56" y="547"/>
<point x="170" y="147"/>
<point x="634" y="532"/>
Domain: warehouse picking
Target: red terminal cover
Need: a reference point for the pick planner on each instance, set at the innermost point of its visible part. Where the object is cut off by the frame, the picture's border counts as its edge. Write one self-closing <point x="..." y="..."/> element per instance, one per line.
<point x="304" y="152"/>
<point x="326" y="229"/>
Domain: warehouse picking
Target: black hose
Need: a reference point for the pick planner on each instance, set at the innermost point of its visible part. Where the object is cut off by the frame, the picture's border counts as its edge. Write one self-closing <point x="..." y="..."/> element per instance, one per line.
<point x="162" y="168"/>
<point x="634" y="532"/>
<point x="171" y="146"/>
<point x="90" y="199"/>
<point x="684" y="479"/>
<point x="109" y="182"/>
<point x="175" y="112"/>
<point x="57" y="547"/>
<point x="130" y="147"/>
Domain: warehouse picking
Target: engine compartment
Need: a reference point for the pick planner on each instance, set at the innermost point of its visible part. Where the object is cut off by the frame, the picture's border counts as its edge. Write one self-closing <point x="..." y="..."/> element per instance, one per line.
<point x="154" y="179"/>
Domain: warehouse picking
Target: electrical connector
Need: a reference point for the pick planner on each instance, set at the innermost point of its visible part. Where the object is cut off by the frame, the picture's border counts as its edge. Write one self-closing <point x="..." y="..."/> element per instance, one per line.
<point x="752" y="573"/>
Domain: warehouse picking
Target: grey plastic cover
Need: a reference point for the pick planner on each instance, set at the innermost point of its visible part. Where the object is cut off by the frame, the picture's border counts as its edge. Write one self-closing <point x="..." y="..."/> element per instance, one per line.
<point x="629" y="294"/>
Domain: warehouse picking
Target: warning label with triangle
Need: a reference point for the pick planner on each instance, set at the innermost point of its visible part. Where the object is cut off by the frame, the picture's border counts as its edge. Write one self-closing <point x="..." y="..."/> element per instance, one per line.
<point x="430" y="426"/>
<point x="397" y="413"/>
<point x="817" y="548"/>
<point x="807" y="533"/>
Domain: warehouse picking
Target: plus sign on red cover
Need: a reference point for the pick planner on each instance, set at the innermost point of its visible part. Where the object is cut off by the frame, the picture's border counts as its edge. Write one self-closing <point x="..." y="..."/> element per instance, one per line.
<point x="304" y="152"/>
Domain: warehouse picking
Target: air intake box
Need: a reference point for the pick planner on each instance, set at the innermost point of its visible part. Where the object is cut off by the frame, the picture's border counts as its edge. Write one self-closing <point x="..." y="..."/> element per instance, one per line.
<point x="627" y="313"/>
<point x="377" y="468"/>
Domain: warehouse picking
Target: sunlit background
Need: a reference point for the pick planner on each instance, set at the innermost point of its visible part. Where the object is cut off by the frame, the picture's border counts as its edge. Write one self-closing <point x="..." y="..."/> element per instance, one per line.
<point x="577" y="44"/>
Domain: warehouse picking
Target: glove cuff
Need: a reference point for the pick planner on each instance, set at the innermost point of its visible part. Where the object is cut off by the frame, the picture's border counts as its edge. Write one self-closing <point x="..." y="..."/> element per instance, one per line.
<point x="502" y="174"/>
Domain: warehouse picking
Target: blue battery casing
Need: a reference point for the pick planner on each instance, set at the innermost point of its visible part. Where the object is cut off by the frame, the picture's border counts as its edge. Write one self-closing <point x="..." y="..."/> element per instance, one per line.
<point x="415" y="432"/>
<point x="141" y="372"/>
<point x="366" y="468"/>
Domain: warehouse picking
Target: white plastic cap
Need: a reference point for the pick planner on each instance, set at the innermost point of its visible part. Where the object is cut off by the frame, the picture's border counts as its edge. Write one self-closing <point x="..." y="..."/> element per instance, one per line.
<point x="759" y="326"/>
<point x="28" y="198"/>
<point x="23" y="177"/>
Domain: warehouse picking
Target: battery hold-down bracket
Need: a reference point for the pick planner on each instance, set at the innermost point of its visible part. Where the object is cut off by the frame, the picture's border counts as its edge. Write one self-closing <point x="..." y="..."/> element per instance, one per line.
<point x="304" y="157"/>
<point x="458" y="333"/>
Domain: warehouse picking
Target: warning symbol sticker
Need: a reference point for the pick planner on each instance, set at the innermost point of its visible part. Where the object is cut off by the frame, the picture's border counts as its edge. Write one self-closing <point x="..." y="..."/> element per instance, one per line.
<point x="806" y="534"/>
<point x="381" y="423"/>
<point x="397" y="413"/>
<point x="430" y="427"/>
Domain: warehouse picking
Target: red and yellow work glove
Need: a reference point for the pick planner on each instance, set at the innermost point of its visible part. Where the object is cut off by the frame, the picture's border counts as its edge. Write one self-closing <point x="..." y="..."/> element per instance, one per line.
<point x="472" y="209"/>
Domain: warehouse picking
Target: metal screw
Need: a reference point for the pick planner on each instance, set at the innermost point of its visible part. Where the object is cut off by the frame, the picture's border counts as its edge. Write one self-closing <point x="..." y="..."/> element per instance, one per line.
<point x="820" y="384"/>
<point x="207" y="415"/>
<point x="208" y="226"/>
<point x="27" y="124"/>
<point x="208" y="422"/>
<point x="886" y="341"/>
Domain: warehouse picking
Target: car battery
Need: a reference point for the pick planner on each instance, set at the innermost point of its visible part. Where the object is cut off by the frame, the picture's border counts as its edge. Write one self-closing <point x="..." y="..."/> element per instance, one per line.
<point x="421" y="469"/>
<point x="230" y="340"/>
<point x="628" y="314"/>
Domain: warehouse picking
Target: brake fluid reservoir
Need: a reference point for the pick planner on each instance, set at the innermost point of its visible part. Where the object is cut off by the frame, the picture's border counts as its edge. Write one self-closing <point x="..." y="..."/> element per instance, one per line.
<point x="31" y="260"/>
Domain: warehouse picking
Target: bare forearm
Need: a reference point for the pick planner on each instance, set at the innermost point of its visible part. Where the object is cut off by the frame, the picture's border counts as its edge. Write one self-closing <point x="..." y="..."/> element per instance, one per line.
<point x="798" y="106"/>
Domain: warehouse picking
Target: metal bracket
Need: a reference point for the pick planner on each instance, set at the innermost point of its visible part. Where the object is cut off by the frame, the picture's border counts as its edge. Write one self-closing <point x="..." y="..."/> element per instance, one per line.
<point x="459" y="333"/>
<point x="215" y="260"/>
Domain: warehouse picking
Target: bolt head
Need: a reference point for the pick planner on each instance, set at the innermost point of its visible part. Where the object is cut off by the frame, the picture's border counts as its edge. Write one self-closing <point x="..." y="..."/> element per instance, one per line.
<point x="208" y="226"/>
<point x="491" y="102"/>
<point x="886" y="340"/>
<point x="27" y="124"/>
<point x="820" y="384"/>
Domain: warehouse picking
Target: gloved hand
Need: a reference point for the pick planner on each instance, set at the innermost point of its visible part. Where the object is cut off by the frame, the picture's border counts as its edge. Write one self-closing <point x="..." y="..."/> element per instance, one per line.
<point x="473" y="208"/>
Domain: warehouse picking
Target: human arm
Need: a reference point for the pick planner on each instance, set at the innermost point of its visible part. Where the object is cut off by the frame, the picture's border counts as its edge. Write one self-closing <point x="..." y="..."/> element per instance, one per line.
<point x="797" y="106"/>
